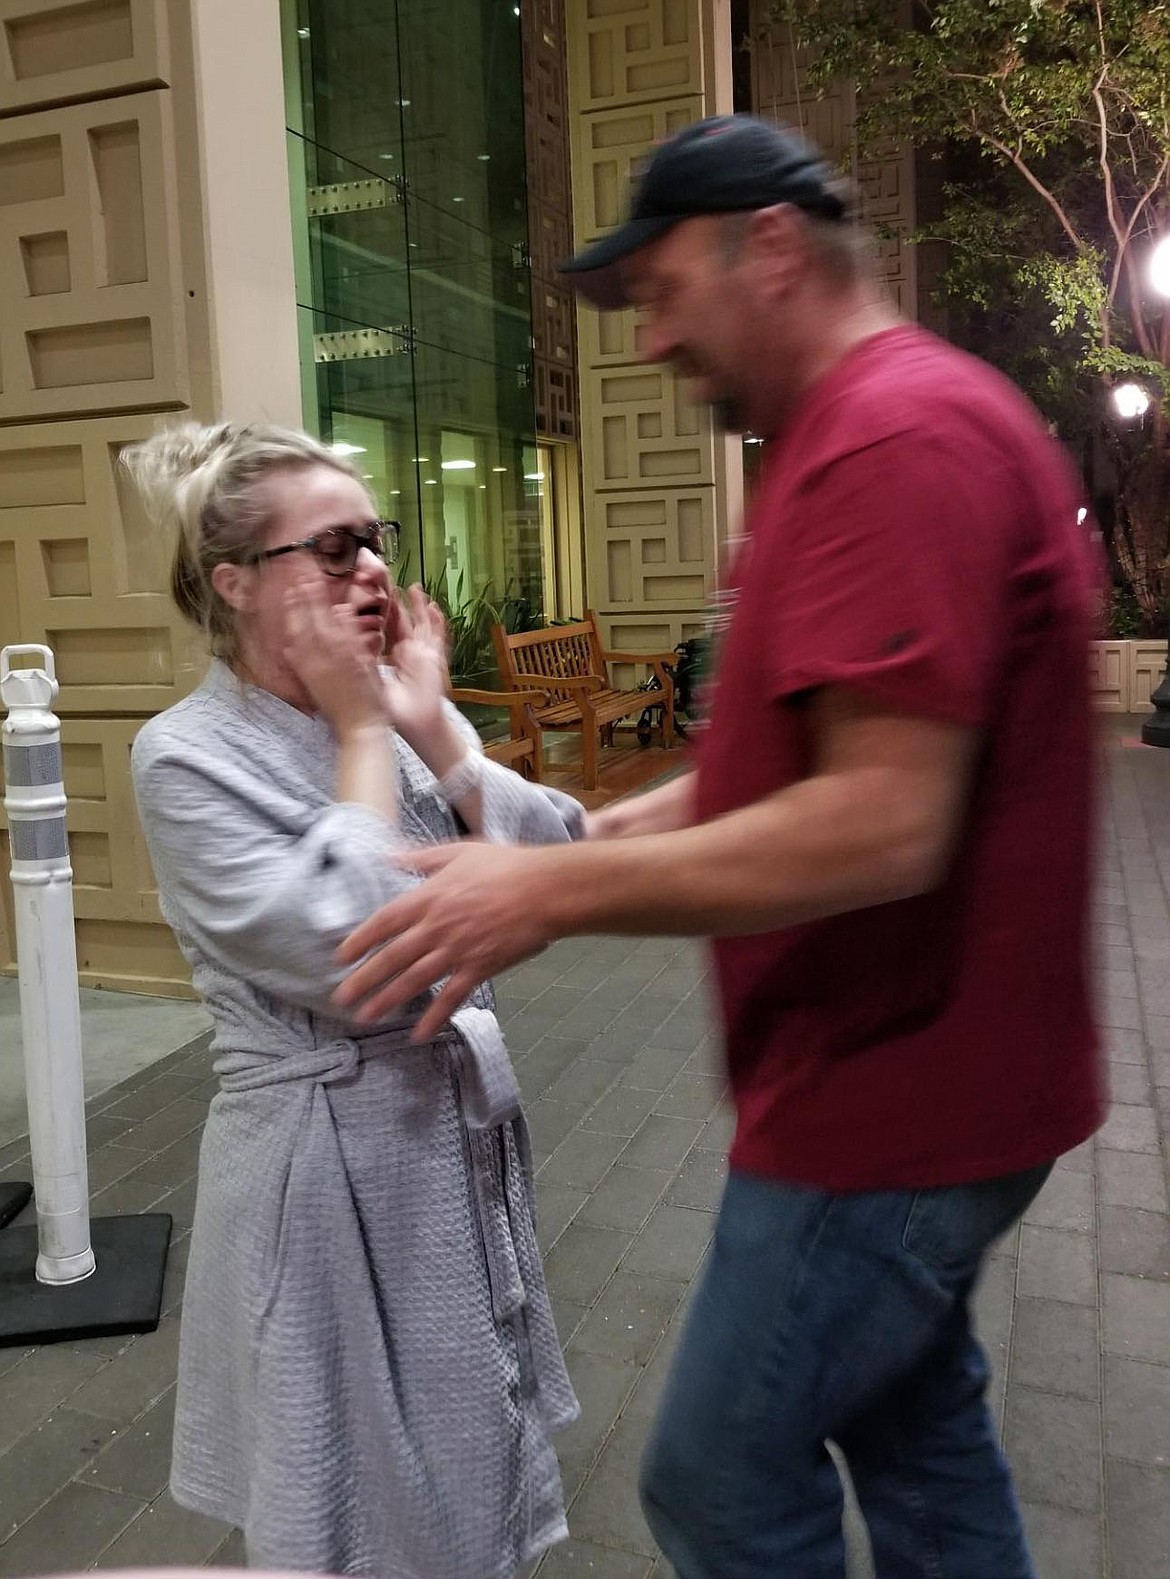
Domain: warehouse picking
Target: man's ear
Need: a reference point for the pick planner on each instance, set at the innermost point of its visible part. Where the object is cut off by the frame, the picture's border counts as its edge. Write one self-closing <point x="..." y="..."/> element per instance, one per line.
<point x="777" y="244"/>
<point x="234" y="583"/>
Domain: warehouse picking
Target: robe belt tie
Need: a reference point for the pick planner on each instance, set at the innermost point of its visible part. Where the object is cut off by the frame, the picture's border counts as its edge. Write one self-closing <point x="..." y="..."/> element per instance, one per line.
<point x="489" y="1097"/>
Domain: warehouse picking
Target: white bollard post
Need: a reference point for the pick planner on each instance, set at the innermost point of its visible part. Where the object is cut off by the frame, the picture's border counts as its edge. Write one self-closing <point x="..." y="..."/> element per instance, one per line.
<point x="50" y="1012"/>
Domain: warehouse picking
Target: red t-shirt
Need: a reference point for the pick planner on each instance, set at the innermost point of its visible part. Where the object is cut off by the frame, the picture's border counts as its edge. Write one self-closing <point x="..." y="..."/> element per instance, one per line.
<point x="914" y="539"/>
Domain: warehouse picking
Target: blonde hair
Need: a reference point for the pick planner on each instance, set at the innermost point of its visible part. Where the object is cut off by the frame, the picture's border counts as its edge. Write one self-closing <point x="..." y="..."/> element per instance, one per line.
<point x="205" y="485"/>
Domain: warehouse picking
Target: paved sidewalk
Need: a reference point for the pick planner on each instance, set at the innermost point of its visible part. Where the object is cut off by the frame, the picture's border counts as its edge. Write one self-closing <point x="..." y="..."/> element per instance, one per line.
<point x="122" y="1033"/>
<point x="614" y="1048"/>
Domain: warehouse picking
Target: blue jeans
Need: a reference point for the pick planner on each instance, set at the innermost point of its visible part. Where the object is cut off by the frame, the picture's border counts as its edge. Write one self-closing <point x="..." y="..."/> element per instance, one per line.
<point x="842" y="1318"/>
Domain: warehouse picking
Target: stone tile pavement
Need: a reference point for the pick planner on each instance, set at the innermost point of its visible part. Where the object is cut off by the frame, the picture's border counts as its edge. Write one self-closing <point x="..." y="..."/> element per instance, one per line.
<point x="122" y="1033"/>
<point x="614" y="1048"/>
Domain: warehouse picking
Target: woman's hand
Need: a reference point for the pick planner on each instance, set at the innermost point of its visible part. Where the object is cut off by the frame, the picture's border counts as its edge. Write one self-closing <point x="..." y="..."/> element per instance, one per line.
<point x="417" y="653"/>
<point x="329" y="654"/>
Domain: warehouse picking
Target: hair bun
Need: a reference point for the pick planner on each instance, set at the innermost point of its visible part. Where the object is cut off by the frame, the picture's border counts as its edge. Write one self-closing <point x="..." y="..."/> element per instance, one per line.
<point x="204" y="485"/>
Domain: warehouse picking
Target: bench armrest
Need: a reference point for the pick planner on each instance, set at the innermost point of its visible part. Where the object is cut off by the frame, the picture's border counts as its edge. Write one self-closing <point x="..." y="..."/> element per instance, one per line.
<point x="526" y="698"/>
<point x="658" y="662"/>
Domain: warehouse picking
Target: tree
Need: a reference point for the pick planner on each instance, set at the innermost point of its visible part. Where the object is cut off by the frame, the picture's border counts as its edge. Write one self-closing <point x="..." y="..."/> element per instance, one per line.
<point x="1052" y="118"/>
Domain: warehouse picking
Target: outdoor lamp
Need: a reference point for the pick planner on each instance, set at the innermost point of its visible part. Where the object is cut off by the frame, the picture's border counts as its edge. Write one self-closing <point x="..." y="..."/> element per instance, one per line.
<point x="1130" y="401"/>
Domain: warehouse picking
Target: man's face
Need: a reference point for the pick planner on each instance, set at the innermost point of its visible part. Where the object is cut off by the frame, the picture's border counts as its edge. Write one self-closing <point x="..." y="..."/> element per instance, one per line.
<point x="696" y="307"/>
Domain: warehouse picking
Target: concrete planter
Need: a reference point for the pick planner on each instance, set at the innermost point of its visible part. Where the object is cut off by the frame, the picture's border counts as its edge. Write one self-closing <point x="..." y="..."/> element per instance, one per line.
<point x="1123" y="673"/>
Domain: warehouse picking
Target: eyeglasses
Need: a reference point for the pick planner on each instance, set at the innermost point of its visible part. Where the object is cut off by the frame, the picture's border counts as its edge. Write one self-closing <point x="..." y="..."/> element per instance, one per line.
<point x="337" y="549"/>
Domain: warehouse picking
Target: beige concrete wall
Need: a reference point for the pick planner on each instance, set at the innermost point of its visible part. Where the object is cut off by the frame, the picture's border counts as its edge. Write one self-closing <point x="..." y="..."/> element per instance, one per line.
<point x="782" y="91"/>
<point x="115" y="262"/>
<point x="247" y="226"/>
<point x="661" y="489"/>
<point x="1124" y="674"/>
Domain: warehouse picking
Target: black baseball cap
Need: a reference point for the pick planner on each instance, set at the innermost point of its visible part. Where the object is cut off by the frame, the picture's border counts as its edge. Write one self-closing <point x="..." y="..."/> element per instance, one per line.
<point x="723" y="165"/>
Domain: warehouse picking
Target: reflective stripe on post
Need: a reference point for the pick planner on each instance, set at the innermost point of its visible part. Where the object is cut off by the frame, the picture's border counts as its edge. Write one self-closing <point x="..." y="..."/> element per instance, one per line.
<point x="50" y="1013"/>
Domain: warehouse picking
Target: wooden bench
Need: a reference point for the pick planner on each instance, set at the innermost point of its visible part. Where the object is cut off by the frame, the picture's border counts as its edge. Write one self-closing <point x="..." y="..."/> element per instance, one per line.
<point x="521" y="749"/>
<point x="570" y="664"/>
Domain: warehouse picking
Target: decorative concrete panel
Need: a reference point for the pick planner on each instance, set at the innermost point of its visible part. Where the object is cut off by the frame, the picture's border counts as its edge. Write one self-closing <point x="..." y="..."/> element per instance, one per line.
<point x="63" y="51"/>
<point x="782" y="90"/>
<point x="633" y="51"/>
<point x="1109" y="675"/>
<point x="608" y="150"/>
<point x="89" y="262"/>
<point x="121" y="940"/>
<point x="1147" y="666"/>
<point x="1122" y="674"/>
<point x="644" y="429"/>
<point x="657" y="550"/>
<point x="550" y="224"/>
<point x="656" y="482"/>
<point x="82" y="570"/>
<point x="648" y="632"/>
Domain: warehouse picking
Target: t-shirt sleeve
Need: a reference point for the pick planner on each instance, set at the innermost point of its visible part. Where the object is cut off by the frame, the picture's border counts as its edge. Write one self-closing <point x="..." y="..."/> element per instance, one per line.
<point x="893" y="583"/>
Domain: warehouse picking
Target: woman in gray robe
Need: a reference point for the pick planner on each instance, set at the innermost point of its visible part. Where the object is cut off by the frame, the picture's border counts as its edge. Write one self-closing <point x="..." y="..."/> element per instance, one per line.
<point x="369" y="1373"/>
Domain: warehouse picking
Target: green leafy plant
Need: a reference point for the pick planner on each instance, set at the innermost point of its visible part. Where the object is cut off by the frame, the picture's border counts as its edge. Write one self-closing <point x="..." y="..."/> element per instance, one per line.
<point x="470" y="619"/>
<point x="1050" y="121"/>
<point x="1125" y="616"/>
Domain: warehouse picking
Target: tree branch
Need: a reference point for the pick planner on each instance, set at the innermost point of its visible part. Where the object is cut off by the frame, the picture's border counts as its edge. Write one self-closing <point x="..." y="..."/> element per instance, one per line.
<point x="1123" y="261"/>
<point x="1103" y="160"/>
<point x="1145" y="197"/>
<point x="1160" y="351"/>
<point x="1014" y="157"/>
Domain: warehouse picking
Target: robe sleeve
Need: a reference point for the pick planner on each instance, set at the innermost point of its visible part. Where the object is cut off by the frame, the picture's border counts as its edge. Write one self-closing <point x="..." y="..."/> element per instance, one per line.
<point x="516" y="811"/>
<point x="258" y="895"/>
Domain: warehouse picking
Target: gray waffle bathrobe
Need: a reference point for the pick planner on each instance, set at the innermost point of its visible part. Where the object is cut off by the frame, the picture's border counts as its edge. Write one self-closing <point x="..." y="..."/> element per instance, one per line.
<point x="369" y="1372"/>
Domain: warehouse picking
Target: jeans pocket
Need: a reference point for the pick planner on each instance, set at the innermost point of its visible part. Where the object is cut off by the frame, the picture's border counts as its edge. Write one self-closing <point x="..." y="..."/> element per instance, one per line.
<point x="950" y="1227"/>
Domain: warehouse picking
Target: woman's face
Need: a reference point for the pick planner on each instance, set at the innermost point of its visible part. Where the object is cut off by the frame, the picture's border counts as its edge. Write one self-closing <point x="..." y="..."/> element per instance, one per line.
<point x="306" y="502"/>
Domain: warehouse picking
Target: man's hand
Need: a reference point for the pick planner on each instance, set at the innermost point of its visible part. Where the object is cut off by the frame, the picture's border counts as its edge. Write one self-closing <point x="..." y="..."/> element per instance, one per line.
<point x="480" y="911"/>
<point x="876" y="822"/>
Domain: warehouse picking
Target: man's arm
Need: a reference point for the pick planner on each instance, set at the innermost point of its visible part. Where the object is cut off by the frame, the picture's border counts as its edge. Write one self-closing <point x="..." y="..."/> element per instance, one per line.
<point x="876" y="821"/>
<point x="662" y="810"/>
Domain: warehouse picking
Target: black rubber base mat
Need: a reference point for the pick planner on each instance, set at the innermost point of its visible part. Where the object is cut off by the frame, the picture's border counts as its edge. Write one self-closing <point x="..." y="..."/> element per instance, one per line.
<point x="123" y="1295"/>
<point x="13" y="1200"/>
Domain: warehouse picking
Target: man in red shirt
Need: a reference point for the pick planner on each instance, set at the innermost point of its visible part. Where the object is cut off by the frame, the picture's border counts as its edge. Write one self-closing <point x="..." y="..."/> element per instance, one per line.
<point x="888" y="838"/>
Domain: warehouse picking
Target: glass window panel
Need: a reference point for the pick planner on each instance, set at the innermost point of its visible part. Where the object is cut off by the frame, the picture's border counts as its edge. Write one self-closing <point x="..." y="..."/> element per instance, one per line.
<point x="408" y="140"/>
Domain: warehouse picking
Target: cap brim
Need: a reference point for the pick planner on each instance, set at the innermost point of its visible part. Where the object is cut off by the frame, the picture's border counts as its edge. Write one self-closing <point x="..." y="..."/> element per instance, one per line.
<point x="596" y="271"/>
